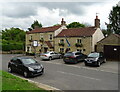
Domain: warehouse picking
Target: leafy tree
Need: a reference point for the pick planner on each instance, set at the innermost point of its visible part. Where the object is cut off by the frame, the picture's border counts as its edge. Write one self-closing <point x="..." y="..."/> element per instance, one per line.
<point x="13" y="39"/>
<point x="14" y="34"/>
<point x="36" y="24"/>
<point x="105" y="32"/>
<point x="75" y="25"/>
<point x="114" y="18"/>
<point x="56" y="25"/>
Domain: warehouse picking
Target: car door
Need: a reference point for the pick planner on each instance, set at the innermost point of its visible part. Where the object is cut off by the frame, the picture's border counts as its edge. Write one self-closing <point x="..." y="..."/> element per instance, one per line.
<point x="19" y="65"/>
<point x="101" y="58"/>
<point x="13" y="64"/>
<point x="56" y="55"/>
<point x="78" y="56"/>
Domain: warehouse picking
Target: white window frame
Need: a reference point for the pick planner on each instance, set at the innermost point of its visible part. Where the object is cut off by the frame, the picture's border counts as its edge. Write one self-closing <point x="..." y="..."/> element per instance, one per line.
<point x="80" y="41"/>
<point x="50" y="37"/>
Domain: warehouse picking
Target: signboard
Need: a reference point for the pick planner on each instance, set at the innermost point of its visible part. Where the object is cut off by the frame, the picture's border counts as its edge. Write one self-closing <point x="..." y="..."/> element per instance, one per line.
<point x="35" y="43"/>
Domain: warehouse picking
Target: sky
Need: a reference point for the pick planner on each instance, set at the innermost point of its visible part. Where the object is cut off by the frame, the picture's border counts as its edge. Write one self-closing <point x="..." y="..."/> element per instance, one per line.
<point x="21" y="14"/>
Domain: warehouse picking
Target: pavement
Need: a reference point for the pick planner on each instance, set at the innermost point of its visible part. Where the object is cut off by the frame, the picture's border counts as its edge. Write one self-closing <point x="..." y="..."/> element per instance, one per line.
<point x="74" y="76"/>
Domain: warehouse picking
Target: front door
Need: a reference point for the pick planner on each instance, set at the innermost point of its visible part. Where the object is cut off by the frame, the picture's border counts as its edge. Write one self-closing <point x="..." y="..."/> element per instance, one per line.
<point x="45" y="49"/>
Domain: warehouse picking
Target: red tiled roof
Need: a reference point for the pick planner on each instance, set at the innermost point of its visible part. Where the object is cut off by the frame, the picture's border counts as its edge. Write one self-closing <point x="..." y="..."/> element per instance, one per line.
<point x="117" y="35"/>
<point x="76" y="32"/>
<point x="48" y="44"/>
<point x="44" y="29"/>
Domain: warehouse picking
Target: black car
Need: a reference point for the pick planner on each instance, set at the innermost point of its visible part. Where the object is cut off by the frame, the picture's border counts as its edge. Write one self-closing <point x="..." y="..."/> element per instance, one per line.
<point x="95" y="58"/>
<point x="25" y="65"/>
<point x="74" y="57"/>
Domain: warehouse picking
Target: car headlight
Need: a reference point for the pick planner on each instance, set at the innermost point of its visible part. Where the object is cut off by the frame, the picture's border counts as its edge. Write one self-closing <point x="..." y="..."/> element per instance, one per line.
<point x="96" y="59"/>
<point x="30" y="69"/>
<point x="41" y="65"/>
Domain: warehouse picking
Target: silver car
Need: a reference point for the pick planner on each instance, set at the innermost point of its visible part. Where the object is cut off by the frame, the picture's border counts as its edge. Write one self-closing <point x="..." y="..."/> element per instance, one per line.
<point x="50" y="55"/>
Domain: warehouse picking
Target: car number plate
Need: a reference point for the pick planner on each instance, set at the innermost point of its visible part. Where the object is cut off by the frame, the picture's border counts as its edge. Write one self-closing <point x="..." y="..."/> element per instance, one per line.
<point x="38" y="70"/>
<point x="89" y="62"/>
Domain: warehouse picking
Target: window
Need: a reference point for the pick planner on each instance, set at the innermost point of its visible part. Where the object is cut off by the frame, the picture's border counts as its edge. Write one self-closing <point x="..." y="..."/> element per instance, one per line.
<point x="78" y="53"/>
<point x="61" y="40"/>
<point x="28" y="49"/>
<point x="78" y="40"/>
<point x="41" y="36"/>
<point x="50" y="37"/>
<point x="79" y="50"/>
<point x="62" y="50"/>
<point x="31" y="37"/>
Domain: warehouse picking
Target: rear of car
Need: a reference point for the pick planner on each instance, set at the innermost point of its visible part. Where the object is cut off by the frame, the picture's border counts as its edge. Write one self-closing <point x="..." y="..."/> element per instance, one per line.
<point x="73" y="57"/>
<point x="50" y="55"/>
<point x="45" y="55"/>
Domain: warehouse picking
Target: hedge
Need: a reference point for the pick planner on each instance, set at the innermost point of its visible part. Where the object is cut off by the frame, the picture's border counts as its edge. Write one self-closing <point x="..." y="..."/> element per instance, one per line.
<point x="14" y="46"/>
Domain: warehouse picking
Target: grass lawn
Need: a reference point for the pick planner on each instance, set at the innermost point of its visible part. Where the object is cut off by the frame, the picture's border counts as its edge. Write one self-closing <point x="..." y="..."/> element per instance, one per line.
<point x="10" y="82"/>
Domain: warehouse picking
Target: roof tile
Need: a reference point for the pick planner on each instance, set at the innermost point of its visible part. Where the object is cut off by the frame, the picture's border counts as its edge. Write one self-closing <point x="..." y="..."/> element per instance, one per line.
<point x="75" y="32"/>
<point x="44" y="29"/>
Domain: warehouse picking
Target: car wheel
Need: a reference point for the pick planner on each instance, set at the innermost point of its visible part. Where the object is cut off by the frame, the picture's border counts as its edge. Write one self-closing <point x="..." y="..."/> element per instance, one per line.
<point x="85" y="64"/>
<point x="25" y="74"/>
<point x="9" y="69"/>
<point x="60" y="57"/>
<point x="104" y="61"/>
<point x="42" y="72"/>
<point x="50" y="58"/>
<point x="99" y="64"/>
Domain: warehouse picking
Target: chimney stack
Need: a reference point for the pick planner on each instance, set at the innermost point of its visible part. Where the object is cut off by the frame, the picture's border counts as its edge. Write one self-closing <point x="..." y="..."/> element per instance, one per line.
<point x="63" y="22"/>
<point x="97" y="22"/>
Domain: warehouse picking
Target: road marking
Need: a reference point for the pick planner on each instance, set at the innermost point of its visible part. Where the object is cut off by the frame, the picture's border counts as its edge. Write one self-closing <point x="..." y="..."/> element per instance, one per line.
<point x="79" y="75"/>
<point x="96" y="69"/>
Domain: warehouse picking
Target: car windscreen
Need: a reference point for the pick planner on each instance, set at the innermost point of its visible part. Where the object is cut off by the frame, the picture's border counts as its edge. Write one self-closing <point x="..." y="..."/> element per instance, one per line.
<point x="69" y="54"/>
<point x="93" y="55"/>
<point x="46" y="53"/>
<point x="29" y="61"/>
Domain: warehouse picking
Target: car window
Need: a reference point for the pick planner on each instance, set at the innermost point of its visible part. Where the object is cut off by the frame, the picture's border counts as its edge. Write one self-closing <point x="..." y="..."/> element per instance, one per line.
<point x="28" y="61"/>
<point x="93" y="55"/>
<point x="13" y="59"/>
<point x="69" y="54"/>
<point x="101" y="54"/>
<point x="78" y="53"/>
<point x="52" y="53"/>
<point x="18" y="61"/>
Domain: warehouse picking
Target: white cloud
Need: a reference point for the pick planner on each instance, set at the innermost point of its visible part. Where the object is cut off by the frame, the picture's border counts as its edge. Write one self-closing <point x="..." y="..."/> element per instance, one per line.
<point x="23" y="14"/>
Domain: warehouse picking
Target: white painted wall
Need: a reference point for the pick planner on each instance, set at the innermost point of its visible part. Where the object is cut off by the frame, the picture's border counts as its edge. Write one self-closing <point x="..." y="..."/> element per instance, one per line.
<point x="60" y="29"/>
<point x="97" y="36"/>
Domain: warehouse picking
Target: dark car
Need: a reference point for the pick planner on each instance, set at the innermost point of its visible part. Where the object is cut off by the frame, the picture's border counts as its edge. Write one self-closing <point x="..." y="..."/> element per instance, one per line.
<point x="95" y="58"/>
<point x="26" y="66"/>
<point x="74" y="57"/>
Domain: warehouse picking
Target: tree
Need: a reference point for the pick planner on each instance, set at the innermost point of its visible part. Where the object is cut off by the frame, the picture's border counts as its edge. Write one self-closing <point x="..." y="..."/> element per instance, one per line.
<point x="14" y="34"/>
<point x="36" y="24"/>
<point x="114" y="20"/>
<point x="56" y="25"/>
<point x="13" y="39"/>
<point x="75" y="25"/>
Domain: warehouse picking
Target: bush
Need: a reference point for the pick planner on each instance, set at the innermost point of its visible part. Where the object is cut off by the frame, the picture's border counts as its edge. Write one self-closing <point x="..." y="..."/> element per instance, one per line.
<point x="12" y="46"/>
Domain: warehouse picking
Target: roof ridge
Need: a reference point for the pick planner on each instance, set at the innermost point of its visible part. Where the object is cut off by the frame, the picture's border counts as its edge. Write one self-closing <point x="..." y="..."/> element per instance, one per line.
<point x="81" y="27"/>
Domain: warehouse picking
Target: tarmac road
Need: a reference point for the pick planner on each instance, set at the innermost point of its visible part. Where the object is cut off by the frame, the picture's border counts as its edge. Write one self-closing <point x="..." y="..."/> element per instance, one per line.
<point x="72" y="77"/>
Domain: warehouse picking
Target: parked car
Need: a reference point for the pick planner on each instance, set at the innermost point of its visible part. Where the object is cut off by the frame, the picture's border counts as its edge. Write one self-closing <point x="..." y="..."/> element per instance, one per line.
<point x="26" y="66"/>
<point x="95" y="58"/>
<point x="74" y="57"/>
<point x="50" y="55"/>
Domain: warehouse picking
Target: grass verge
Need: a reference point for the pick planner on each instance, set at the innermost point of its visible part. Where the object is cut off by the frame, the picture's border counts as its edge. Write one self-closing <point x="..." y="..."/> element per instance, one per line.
<point x="13" y="83"/>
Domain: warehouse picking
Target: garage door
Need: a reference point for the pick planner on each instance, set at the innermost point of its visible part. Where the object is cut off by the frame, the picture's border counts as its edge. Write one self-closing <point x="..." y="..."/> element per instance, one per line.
<point x="112" y="52"/>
